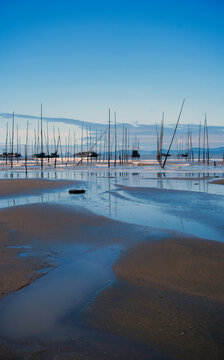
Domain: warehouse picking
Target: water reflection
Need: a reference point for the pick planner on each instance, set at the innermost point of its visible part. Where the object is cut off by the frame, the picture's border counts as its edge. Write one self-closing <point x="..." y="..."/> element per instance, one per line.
<point x="31" y="313"/>
<point x="105" y="197"/>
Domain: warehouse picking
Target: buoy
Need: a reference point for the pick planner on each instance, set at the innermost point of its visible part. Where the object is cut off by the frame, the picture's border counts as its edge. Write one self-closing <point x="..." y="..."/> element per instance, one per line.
<point x="77" y="191"/>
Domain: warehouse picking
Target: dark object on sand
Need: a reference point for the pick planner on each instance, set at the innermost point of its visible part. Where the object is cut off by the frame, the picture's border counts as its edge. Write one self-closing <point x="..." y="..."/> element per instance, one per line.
<point x="87" y="154"/>
<point x="10" y="155"/>
<point x="42" y="155"/>
<point x="77" y="191"/>
<point x="135" y="154"/>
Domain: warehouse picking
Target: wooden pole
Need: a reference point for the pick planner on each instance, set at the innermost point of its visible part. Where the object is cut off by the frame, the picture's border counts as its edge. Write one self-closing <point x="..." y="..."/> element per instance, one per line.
<point x="204" y="144"/>
<point x="41" y="136"/>
<point x="108" y="152"/>
<point x="26" y="146"/>
<point x="173" y="134"/>
<point x="94" y="144"/>
<point x="207" y="139"/>
<point x="12" y="139"/>
<point x="17" y="141"/>
<point x="47" y="142"/>
<point x="6" y="143"/>
<point x="199" y="145"/>
<point x="115" y="138"/>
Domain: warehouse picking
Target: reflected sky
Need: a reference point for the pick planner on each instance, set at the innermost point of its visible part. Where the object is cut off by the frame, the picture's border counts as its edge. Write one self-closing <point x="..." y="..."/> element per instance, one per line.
<point x="195" y="208"/>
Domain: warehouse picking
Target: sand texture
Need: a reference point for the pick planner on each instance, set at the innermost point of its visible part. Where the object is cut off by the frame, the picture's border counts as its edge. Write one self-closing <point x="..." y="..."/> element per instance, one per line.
<point x="219" y="182"/>
<point x="170" y="294"/>
<point x="167" y="301"/>
<point x="44" y="226"/>
<point x="30" y="186"/>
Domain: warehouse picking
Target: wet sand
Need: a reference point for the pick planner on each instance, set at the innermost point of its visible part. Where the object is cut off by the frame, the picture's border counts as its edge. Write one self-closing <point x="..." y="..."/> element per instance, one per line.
<point x="169" y="294"/>
<point x="47" y="228"/>
<point x="30" y="186"/>
<point x="44" y="227"/>
<point x="219" y="182"/>
<point x="17" y="272"/>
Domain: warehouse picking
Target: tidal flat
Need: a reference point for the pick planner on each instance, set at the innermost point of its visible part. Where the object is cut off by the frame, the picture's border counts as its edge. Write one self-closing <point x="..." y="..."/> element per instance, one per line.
<point x="132" y="269"/>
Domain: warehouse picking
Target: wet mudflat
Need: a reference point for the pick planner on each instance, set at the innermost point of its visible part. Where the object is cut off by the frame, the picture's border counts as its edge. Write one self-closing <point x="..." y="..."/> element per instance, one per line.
<point x="35" y="311"/>
<point x="187" y="202"/>
<point x="47" y="314"/>
<point x="90" y="312"/>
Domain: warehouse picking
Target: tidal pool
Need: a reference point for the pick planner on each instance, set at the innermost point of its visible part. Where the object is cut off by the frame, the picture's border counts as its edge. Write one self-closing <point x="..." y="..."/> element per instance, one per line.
<point x="38" y="311"/>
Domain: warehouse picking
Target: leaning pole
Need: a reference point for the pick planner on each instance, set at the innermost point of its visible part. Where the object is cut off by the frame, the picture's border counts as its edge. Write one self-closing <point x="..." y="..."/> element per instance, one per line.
<point x="167" y="154"/>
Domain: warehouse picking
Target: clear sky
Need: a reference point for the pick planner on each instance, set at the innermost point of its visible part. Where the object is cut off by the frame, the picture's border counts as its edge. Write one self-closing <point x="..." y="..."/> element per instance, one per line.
<point x="139" y="58"/>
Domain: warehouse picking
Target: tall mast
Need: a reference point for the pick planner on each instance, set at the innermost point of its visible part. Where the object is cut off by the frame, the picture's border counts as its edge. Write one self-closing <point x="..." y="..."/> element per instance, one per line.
<point x="204" y="144"/>
<point x="199" y="145"/>
<point x="26" y="146"/>
<point x="115" y="138"/>
<point x="6" y="143"/>
<point x="12" y="139"/>
<point x="109" y="141"/>
<point x="96" y="146"/>
<point x="59" y="137"/>
<point x="122" y="144"/>
<point x="68" y="145"/>
<point x="48" y="153"/>
<point x="173" y="134"/>
<point x="207" y="139"/>
<point x="100" y="147"/>
<point x="90" y="140"/>
<point x="192" y="149"/>
<point x="82" y="140"/>
<point x="17" y="140"/>
<point x="54" y="139"/>
<point x="161" y="141"/>
<point x="38" y="136"/>
<point x="126" y="144"/>
<point x="87" y="142"/>
<point x="41" y="136"/>
<point x="74" y="146"/>
<point x="157" y="143"/>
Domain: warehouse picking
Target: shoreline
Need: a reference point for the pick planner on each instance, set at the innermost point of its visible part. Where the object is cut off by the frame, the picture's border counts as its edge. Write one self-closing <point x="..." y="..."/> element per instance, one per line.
<point x="13" y="187"/>
<point x="168" y="295"/>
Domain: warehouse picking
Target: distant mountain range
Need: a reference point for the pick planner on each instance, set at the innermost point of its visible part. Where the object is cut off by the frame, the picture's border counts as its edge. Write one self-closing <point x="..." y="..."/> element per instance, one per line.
<point x="146" y="133"/>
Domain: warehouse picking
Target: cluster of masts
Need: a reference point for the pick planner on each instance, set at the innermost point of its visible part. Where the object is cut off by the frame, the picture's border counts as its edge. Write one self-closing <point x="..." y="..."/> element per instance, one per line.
<point x="100" y="146"/>
<point x="201" y="153"/>
<point x="103" y="146"/>
<point x="187" y="153"/>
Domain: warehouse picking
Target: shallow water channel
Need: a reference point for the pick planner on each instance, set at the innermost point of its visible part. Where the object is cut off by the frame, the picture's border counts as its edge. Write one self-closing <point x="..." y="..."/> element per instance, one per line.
<point x="39" y="310"/>
<point x="196" y="207"/>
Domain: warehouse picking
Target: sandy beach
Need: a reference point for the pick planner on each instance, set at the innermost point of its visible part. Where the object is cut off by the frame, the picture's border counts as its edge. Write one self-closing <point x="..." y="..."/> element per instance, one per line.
<point x="169" y="294"/>
<point x="111" y="180"/>
<point x="165" y="302"/>
<point x="43" y="226"/>
<point x="219" y="182"/>
<point x="12" y="187"/>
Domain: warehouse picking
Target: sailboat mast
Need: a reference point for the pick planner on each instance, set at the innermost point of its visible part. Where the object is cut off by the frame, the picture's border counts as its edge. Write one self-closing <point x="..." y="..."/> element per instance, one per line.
<point x="173" y="134"/>
<point x="199" y="145"/>
<point x="6" y="143"/>
<point x="109" y="141"/>
<point x="12" y="139"/>
<point x="115" y="138"/>
<point x="41" y="136"/>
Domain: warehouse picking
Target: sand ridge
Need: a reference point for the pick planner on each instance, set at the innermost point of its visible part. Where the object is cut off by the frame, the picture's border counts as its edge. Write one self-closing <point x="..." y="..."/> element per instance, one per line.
<point x="11" y="187"/>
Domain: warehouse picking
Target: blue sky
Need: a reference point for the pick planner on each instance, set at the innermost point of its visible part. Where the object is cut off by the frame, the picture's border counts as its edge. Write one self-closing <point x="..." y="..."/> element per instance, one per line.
<point x="139" y="58"/>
